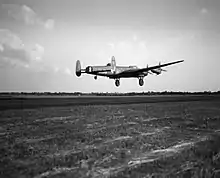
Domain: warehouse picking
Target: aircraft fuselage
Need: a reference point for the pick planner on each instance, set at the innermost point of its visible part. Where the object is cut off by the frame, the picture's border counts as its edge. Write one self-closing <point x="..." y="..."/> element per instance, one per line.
<point x="112" y="71"/>
<point x="108" y="72"/>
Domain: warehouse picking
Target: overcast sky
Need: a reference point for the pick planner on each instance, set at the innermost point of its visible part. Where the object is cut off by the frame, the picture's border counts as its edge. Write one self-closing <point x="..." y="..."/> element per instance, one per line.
<point x="40" y="42"/>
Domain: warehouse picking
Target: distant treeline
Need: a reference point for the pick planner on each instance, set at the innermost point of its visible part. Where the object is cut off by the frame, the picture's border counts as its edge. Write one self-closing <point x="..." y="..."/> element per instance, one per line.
<point x="110" y="94"/>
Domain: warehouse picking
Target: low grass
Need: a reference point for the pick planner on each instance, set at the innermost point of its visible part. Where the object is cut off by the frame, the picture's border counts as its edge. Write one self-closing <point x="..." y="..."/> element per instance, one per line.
<point x="178" y="139"/>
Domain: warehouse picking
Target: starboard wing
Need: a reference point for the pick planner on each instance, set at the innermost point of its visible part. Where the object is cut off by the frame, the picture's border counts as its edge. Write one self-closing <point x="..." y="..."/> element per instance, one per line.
<point x="138" y="71"/>
<point x="159" y="66"/>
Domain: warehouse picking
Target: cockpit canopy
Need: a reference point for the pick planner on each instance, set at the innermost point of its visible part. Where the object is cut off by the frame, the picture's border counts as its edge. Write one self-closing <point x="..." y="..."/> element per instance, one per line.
<point x="133" y="67"/>
<point x="109" y="64"/>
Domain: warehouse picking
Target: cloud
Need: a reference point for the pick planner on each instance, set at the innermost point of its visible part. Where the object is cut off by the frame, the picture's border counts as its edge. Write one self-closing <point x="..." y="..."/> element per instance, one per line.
<point x="135" y="38"/>
<point x="61" y="71"/>
<point x="111" y="45"/>
<point x="145" y="49"/>
<point x="12" y="48"/>
<point x="56" y="69"/>
<point x="14" y="52"/>
<point x="131" y="50"/>
<point x="68" y="72"/>
<point x="1" y="48"/>
<point x="203" y="11"/>
<point x="37" y="52"/>
<point x="7" y="37"/>
<point x="49" y="24"/>
<point x="27" y="15"/>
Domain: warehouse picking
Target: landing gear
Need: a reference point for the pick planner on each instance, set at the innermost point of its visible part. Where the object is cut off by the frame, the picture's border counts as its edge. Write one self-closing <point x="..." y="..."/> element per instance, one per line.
<point x="117" y="82"/>
<point x="95" y="77"/>
<point x="141" y="81"/>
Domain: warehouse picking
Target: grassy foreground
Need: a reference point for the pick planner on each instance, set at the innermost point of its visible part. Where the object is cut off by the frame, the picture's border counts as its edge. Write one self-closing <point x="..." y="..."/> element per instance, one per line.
<point x="178" y="139"/>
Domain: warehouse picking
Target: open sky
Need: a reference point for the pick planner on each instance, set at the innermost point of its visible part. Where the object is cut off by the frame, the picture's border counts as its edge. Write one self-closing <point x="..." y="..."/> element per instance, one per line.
<point x="40" y="42"/>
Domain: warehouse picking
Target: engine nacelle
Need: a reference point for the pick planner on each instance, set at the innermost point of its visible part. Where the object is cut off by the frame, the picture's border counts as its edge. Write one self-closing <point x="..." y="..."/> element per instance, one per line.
<point x="156" y="71"/>
<point x="78" y="68"/>
<point x="145" y="73"/>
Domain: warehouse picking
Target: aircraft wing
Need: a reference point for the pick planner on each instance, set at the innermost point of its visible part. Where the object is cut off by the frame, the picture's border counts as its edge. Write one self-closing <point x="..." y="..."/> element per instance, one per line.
<point x="138" y="71"/>
<point x="158" y="66"/>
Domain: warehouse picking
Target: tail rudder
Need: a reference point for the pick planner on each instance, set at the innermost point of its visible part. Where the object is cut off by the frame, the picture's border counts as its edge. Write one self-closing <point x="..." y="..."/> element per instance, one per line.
<point x="78" y="68"/>
<point x="113" y="64"/>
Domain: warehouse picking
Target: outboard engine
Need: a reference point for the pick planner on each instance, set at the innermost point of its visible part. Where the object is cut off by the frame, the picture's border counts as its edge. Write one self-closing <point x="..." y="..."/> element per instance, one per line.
<point x="158" y="70"/>
<point x="78" y="68"/>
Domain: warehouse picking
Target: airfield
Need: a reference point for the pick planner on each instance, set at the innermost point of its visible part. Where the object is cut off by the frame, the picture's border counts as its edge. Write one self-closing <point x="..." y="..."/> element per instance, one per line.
<point x="111" y="136"/>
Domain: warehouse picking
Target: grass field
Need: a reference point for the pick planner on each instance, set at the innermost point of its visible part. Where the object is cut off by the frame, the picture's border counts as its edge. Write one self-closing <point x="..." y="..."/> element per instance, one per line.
<point x="147" y="139"/>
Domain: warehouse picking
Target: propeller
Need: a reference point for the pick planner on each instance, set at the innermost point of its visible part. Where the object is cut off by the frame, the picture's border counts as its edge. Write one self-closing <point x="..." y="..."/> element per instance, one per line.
<point x="163" y="70"/>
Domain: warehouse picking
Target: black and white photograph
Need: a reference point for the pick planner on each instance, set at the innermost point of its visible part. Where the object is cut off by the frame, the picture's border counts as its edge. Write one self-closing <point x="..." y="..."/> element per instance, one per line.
<point x="109" y="88"/>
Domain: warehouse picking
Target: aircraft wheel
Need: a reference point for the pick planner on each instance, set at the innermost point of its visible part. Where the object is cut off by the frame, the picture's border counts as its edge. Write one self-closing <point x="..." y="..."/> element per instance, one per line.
<point x="117" y="82"/>
<point x="95" y="77"/>
<point x="141" y="82"/>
